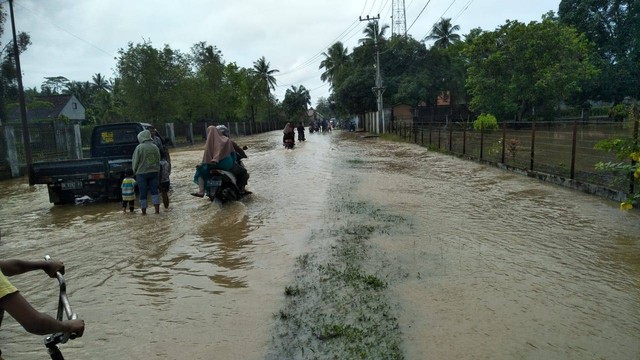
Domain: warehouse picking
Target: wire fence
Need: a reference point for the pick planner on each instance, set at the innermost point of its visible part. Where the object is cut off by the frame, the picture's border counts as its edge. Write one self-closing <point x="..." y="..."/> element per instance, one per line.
<point x="565" y="149"/>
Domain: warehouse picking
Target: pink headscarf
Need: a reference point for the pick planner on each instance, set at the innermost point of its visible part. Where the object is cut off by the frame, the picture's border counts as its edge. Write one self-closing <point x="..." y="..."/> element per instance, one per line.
<point x="216" y="147"/>
<point x="288" y="128"/>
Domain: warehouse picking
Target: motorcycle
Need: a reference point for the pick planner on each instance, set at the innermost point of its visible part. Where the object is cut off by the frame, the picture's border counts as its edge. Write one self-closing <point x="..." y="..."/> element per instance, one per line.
<point x="288" y="143"/>
<point x="222" y="185"/>
<point x="288" y="140"/>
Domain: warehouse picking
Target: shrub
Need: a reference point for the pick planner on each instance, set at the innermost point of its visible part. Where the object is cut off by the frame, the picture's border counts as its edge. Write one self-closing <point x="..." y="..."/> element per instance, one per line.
<point x="486" y="122"/>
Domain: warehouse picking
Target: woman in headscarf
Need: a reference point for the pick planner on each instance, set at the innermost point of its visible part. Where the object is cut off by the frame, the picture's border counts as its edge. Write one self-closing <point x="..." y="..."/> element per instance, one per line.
<point x="146" y="166"/>
<point x="288" y="133"/>
<point x="218" y="154"/>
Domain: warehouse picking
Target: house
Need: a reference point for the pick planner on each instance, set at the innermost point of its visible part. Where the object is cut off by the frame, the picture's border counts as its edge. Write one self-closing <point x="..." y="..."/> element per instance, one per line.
<point x="402" y="114"/>
<point x="313" y="115"/>
<point x="51" y="108"/>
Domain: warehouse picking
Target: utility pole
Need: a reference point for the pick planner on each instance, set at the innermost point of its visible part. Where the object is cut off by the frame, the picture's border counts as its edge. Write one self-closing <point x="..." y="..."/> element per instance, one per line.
<point x="378" y="89"/>
<point x="26" y="138"/>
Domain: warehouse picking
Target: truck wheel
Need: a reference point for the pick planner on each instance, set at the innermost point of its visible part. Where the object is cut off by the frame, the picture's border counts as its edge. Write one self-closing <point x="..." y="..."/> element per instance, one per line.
<point x="61" y="197"/>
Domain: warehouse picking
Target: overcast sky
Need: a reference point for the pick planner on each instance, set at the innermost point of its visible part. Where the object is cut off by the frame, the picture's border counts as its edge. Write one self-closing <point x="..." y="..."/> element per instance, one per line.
<point x="79" y="38"/>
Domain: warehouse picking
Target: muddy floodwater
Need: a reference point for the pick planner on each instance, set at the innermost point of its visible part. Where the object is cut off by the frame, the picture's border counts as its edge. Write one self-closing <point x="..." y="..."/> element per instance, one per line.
<point x="457" y="260"/>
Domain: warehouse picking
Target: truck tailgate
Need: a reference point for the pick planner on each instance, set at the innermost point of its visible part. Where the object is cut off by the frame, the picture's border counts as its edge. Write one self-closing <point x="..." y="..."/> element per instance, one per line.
<point x="46" y="172"/>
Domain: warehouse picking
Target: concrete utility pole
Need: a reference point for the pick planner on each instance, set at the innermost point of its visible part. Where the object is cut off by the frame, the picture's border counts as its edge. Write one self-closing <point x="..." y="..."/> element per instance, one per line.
<point x="23" y="107"/>
<point x="378" y="89"/>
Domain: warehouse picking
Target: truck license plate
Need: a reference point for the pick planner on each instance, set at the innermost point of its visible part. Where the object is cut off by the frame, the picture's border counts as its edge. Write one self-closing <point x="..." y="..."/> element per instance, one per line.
<point x="71" y="185"/>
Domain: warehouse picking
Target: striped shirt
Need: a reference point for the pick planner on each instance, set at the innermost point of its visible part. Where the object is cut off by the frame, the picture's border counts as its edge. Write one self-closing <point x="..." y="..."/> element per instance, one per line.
<point x="128" y="189"/>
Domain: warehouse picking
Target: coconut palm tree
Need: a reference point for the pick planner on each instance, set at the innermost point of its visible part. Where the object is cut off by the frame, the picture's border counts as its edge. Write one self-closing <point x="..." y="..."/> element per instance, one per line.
<point x="335" y="59"/>
<point x="100" y="83"/>
<point x="373" y="32"/>
<point x="444" y="33"/>
<point x="265" y="79"/>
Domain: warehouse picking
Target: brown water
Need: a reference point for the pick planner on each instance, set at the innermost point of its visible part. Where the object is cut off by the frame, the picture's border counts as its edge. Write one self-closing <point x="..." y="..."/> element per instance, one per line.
<point x="490" y="266"/>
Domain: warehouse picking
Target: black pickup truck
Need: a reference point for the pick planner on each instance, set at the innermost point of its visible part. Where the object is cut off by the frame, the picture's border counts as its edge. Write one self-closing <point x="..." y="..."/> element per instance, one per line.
<point x="97" y="177"/>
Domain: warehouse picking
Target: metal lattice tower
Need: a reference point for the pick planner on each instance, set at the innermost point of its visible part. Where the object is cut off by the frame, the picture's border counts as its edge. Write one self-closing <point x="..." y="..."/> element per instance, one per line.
<point x="399" y="18"/>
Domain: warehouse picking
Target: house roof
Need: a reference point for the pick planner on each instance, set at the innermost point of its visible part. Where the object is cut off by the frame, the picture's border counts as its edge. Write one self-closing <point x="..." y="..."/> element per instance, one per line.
<point x="58" y="103"/>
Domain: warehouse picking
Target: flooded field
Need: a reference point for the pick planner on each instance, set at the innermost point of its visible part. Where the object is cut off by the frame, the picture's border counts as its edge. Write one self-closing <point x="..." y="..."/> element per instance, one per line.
<point x="458" y="260"/>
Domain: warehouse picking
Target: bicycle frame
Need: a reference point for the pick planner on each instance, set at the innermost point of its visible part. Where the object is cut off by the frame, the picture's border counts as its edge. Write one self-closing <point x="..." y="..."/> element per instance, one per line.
<point x="64" y="308"/>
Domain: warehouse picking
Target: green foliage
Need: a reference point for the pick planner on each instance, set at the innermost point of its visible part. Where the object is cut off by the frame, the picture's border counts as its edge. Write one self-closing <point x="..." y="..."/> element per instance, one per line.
<point x="614" y="27"/>
<point x="486" y="122"/>
<point x="295" y="103"/>
<point x="619" y="112"/>
<point x="628" y="153"/>
<point x="517" y="67"/>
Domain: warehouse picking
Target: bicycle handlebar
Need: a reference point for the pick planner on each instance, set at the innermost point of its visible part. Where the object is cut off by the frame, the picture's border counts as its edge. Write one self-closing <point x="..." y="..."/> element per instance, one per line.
<point x="64" y="308"/>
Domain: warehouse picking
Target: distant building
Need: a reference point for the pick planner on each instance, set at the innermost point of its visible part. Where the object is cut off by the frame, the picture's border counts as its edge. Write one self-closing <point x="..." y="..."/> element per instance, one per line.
<point x="51" y="108"/>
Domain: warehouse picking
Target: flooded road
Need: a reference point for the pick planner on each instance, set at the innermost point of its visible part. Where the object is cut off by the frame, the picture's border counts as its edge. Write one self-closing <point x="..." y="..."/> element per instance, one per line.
<point x="480" y="263"/>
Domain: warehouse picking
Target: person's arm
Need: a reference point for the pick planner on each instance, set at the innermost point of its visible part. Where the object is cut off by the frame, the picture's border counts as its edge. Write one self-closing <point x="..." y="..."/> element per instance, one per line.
<point x="36" y="322"/>
<point x="16" y="267"/>
<point x="239" y="150"/>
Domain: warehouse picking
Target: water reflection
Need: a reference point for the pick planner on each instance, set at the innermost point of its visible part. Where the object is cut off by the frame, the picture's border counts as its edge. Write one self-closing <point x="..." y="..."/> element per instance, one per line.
<point x="225" y="243"/>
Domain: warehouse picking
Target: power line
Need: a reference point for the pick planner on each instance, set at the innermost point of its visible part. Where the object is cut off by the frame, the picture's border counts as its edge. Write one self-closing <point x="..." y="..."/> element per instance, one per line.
<point x="314" y="57"/>
<point x="450" y="5"/>
<point x="67" y="31"/>
<point x="421" y="11"/>
<point x="463" y="10"/>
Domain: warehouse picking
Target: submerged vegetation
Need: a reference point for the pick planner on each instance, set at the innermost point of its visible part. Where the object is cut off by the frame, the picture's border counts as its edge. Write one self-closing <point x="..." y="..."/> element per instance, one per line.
<point x="338" y="306"/>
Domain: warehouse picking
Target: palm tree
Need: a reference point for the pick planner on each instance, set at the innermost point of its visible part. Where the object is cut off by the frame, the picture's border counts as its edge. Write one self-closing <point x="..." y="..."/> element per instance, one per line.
<point x="100" y="83"/>
<point x="444" y="33"/>
<point x="265" y="79"/>
<point x="335" y="59"/>
<point x="372" y="33"/>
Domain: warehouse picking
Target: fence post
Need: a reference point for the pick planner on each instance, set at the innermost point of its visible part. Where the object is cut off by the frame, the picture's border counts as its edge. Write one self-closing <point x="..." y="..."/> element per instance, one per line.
<point x="464" y="137"/>
<point x="190" y="133"/>
<point x="430" y="127"/>
<point x="12" y="151"/>
<point x="481" y="142"/>
<point x="422" y="135"/>
<point x="439" y="137"/>
<point x="504" y="138"/>
<point x="573" y="148"/>
<point x="171" y="134"/>
<point x="450" y="137"/>
<point x="533" y="142"/>
<point x="76" y="146"/>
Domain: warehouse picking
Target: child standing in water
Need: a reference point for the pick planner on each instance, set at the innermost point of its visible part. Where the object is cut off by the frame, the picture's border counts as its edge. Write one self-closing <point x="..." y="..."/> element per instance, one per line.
<point x="128" y="190"/>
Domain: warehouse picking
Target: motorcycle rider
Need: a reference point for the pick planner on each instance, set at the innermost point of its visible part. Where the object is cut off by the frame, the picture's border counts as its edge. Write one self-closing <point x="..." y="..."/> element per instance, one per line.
<point x="288" y="134"/>
<point x="218" y="154"/>
<point x="301" y="132"/>
<point x="240" y="172"/>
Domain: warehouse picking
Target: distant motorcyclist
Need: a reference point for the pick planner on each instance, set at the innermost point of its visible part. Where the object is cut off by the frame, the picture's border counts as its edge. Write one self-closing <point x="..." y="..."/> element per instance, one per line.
<point x="301" y="132"/>
<point x="288" y="134"/>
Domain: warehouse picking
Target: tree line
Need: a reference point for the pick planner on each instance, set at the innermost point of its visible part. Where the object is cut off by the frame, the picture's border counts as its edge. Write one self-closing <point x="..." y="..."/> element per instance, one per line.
<point x="587" y="51"/>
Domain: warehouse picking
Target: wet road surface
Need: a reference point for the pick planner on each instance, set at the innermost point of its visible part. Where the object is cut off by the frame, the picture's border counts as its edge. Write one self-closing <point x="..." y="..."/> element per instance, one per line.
<point x="485" y="264"/>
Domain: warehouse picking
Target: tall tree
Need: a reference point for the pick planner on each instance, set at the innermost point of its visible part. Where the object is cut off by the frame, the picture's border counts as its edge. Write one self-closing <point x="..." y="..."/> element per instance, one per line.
<point x="265" y="78"/>
<point x="519" y="67"/>
<point x="296" y="102"/>
<point x="372" y="32"/>
<point x="150" y="81"/>
<point x="614" y="27"/>
<point x="335" y="60"/>
<point x="443" y="32"/>
<point x="100" y="83"/>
